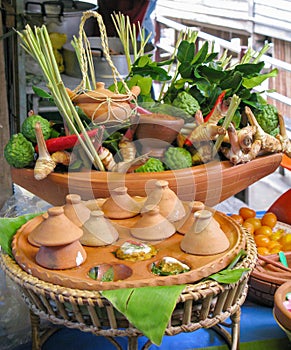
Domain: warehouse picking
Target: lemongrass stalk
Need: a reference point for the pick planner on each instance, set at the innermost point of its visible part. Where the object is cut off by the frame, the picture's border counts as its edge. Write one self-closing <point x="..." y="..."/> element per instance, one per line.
<point x="132" y="35"/>
<point x="76" y="47"/>
<point x="143" y="40"/>
<point x="171" y="65"/>
<point x="121" y="27"/>
<point x="264" y="49"/>
<point x="235" y="101"/>
<point x="38" y="45"/>
<point x="90" y="59"/>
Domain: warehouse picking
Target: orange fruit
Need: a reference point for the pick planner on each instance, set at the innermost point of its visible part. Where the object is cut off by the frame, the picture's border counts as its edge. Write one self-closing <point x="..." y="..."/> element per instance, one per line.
<point x="264" y="230"/>
<point x="249" y="227"/>
<point x="269" y="219"/>
<point x="275" y="236"/>
<point x="286" y="242"/>
<point x="274" y="247"/>
<point x="246" y="213"/>
<point x="262" y="241"/>
<point x="237" y="218"/>
<point x="256" y="222"/>
<point x="263" y="251"/>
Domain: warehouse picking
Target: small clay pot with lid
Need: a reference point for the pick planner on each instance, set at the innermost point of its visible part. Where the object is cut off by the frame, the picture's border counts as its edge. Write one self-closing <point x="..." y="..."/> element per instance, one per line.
<point x="76" y="210"/>
<point x="205" y="236"/>
<point x="152" y="225"/>
<point x="169" y="204"/>
<point x="120" y="205"/>
<point x="103" y="105"/>
<point x="184" y="225"/>
<point x="98" y="231"/>
<point x="58" y="238"/>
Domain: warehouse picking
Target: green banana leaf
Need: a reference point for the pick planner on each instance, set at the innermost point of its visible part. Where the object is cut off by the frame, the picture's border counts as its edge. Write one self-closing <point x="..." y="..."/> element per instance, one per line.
<point x="8" y="227"/>
<point x="148" y="308"/>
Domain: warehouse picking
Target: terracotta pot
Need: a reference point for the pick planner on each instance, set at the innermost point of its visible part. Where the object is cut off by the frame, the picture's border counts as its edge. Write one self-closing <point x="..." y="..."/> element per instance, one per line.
<point x="156" y="132"/>
<point x="170" y="206"/>
<point x="152" y="226"/>
<point x="76" y="210"/>
<point x="98" y="231"/>
<point x="58" y="238"/>
<point x="120" y="205"/>
<point x="210" y="183"/>
<point x="265" y="279"/>
<point x="56" y="230"/>
<point x="205" y="236"/>
<point x="184" y="225"/>
<point x="61" y="257"/>
<point x="103" y="105"/>
<point x="282" y="315"/>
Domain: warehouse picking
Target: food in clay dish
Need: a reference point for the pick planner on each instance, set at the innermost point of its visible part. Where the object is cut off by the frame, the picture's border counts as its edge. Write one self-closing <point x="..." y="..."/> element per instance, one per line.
<point x="169" y="266"/>
<point x="135" y="251"/>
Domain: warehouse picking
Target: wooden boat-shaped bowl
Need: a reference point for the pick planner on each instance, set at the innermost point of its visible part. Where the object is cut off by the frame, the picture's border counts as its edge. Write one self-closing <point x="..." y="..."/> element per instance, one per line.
<point x="210" y="183"/>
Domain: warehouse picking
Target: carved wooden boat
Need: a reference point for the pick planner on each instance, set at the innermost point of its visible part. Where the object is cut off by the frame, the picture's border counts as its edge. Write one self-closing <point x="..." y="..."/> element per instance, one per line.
<point x="210" y="183"/>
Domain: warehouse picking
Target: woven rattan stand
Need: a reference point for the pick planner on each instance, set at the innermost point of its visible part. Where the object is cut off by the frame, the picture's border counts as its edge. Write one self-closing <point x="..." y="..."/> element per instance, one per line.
<point x="201" y="305"/>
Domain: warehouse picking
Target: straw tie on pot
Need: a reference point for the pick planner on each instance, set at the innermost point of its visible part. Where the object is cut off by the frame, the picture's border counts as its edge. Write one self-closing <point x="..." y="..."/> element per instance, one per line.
<point x="113" y="102"/>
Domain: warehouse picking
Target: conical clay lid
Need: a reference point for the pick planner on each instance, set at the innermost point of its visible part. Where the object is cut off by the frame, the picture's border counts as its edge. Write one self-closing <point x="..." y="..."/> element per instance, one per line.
<point x="120" y="205"/>
<point x="170" y="205"/>
<point x="76" y="210"/>
<point x="98" y="231"/>
<point x="205" y="237"/>
<point x="56" y="230"/>
<point x="184" y="225"/>
<point x="152" y="225"/>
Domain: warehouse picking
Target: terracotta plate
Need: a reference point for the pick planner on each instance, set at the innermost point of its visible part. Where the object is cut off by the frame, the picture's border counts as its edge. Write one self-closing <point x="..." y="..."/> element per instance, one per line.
<point x="130" y="274"/>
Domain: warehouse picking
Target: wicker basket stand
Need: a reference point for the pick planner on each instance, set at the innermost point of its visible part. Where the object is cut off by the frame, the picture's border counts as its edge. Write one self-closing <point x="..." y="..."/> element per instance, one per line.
<point x="202" y="305"/>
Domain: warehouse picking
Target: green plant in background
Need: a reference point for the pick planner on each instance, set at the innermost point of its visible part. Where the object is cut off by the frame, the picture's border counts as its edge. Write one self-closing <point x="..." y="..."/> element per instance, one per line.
<point x="205" y="76"/>
<point x="194" y="78"/>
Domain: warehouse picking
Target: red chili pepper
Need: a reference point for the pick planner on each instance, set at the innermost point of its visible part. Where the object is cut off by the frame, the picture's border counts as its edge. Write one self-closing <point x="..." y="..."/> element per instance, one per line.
<point x="65" y="142"/>
<point x="217" y="102"/>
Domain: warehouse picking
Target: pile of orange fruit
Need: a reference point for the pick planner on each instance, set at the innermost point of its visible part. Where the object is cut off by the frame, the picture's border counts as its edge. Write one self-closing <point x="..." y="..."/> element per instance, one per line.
<point x="268" y="238"/>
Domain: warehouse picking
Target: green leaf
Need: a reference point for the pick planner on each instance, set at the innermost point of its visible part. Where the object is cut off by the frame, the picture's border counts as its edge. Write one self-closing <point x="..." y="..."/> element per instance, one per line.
<point x="201" y="54"/>
<point x="186" y="51"/>
<point x="185" y="70"/>
<point x="232" y="82"/>
<point x="143" y="61"/>
<point x="145" y="83"/>
<point x="41" y="93"/>
<point x="249" y="69"/>
<point x="8" y="228"/>
<point x="228" y="276"/>
<point x="143" y="315"/>
<point x="157" y="73"/>
<point x="213" y="75"/>
<point x="210" y="57"/>
<point x="250" y="83"/>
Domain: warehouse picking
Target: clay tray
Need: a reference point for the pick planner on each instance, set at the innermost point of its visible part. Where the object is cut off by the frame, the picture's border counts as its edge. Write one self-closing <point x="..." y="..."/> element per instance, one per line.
<point x="131" y="274"/>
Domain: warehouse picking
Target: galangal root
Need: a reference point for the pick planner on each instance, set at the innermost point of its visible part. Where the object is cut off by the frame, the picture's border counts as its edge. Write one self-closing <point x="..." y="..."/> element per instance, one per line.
<point x="127" y="150"/>
<point x="247" y="143"/>
<point x="44" y="164"/>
